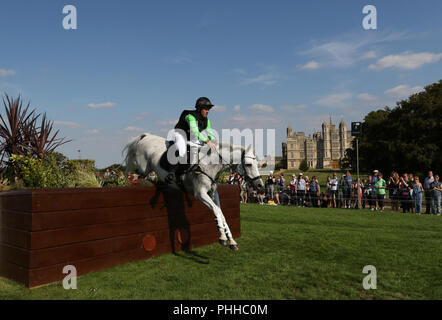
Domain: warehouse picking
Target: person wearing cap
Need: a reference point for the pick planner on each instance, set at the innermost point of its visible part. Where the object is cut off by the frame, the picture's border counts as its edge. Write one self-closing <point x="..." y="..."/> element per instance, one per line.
<point x="190" y="126"/>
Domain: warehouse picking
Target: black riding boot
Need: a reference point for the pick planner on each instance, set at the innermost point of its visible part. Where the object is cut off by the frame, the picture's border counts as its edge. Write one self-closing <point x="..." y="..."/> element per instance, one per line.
<point x="171" y="177"/>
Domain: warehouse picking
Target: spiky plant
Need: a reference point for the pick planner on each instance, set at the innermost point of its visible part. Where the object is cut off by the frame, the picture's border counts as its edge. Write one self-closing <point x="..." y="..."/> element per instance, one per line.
<point x="41" y="140"/>
<point x="20" y="135"/>
<point x="12" y="136"/>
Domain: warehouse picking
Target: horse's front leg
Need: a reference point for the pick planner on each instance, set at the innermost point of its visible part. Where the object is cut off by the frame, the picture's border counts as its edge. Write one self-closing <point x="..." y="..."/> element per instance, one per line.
<point x="232" y="242"/>
<point x="223" y="228"/>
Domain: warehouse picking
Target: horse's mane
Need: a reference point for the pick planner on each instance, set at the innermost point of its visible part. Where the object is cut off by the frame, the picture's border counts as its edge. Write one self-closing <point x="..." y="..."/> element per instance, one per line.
<point x="229" y="145"/>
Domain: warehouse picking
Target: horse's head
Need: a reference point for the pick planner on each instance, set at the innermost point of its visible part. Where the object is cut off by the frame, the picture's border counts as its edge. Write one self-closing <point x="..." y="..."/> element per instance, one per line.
<point x="249" y="165"/>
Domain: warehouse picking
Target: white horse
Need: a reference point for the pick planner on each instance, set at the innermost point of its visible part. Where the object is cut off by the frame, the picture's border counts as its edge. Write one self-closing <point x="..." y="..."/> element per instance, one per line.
<point x="145" y="152"/>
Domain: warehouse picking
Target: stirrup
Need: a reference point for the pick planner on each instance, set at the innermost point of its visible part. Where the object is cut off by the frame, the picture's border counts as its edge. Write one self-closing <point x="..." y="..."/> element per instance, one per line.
<point x="169" y="178"/>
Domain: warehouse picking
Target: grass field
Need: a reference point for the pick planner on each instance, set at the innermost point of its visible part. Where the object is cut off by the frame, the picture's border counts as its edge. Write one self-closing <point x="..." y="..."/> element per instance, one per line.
<point x="285" y="253"/>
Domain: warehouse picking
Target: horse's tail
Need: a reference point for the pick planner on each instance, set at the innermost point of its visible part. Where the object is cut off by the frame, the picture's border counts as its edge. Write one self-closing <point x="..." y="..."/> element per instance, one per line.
<point x="131" y="149"/>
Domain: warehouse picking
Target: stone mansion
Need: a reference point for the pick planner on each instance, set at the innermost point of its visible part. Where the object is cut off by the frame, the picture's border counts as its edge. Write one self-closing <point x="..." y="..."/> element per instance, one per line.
<point x="322" y="150"/>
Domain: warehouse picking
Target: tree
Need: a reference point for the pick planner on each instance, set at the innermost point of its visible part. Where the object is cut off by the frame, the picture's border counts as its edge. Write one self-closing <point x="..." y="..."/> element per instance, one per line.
<point x="406" y="138"/>
<point x="303" y="166"/>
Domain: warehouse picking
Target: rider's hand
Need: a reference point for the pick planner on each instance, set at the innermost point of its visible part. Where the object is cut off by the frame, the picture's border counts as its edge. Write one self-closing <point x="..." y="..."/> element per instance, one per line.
<point x="211" y="145"/>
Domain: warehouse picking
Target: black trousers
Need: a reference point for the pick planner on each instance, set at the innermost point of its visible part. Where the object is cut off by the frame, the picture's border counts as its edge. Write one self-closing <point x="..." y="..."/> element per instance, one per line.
<point x="314" y="198"/>
<point x="301" y="195"/>
<point x="428" y="201"/>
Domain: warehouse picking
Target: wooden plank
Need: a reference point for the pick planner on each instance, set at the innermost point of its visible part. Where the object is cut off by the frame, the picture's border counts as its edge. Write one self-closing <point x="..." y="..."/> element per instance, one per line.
<point x="15" y="272"/>
<point x="17" y="200"/>
<point x="60" y="219"/>
<point x="62" y="254"/>
<point x="112" y="197"/>
<point x="50" y="274"/>
<point x="16" y="219"/>
<point x="15" y="237"/>
<point x="58" y="237"/>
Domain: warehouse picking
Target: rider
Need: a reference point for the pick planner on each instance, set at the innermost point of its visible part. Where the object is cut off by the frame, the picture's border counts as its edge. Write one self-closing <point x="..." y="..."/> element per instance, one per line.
<point x="192" y="123"/>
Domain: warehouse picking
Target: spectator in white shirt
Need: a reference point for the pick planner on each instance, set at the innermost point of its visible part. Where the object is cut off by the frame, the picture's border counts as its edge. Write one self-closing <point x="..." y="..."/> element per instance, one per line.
<point x="334" y="183"/>
<point x="301" y="190"/>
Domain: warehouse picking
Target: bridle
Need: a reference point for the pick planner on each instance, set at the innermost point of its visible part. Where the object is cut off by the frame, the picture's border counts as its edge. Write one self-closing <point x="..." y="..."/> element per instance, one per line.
<point x="230" y="166"/>
<point x="248" y="179"/>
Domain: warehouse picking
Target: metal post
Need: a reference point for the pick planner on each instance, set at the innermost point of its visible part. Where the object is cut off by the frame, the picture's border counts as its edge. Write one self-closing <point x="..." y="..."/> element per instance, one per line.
<point x="357" y="166"/>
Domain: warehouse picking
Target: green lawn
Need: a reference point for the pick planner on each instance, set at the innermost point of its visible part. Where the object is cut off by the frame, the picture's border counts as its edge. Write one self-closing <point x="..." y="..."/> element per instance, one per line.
<point x="285" y="253"/>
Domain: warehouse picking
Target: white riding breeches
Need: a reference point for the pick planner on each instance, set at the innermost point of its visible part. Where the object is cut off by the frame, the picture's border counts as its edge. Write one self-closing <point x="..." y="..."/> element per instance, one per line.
<point x="179" y="141"/>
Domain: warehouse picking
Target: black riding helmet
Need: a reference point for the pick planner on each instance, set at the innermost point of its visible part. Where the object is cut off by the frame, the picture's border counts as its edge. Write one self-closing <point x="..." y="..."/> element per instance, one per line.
<point x="203" y="102"/>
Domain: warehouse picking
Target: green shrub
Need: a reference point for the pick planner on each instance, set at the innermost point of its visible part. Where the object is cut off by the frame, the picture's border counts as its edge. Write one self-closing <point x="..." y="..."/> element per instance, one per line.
<point x="54" y="171"/>
<point x="36" y="173"/>
<point x="303" y="166"/>
<point x="85" y="179"/>
<point x="86" y="165"/>
<point x="113" y="181"/>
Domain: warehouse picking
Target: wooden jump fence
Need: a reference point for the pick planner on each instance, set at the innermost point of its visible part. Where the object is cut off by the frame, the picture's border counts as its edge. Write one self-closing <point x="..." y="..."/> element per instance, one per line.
<point x="44" y="230"/>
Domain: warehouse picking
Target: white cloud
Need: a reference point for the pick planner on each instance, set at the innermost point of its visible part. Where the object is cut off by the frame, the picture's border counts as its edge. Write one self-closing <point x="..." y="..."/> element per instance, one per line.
<point x="348" y="49"/>
<point x="101" y="105"/>
<point x="369" y="55"/>
<point x="406" y="61"/>
<point x="167" y="122"/>
<point x="237" y="108"/>
<point x="93" y="131"/>
<point x="133" y="129"/>
<point x="312" y="65"/>
<point x="262" y="107"/>
<point x="5" y="73"/>
<point x="267" y="79"/>
<point x="67" y="124"/>
<point x="403" y="91"/>
<point x="334" y="100"/>
<point x="141" y="116"/>
<point x="217" y="108"/>
<point x="255" y="120"/>
<point x="366" y="97"/>
<point x="294" y="108"/>
<point x="240" y="71"/>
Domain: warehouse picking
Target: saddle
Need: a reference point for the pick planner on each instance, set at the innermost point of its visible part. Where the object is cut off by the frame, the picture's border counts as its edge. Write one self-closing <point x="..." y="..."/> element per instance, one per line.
<point x="166" y="165"/>
<point x="180" y="169"/>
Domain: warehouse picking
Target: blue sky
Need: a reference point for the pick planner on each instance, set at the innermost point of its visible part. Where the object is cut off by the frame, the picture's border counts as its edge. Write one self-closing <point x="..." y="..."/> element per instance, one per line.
<point x="132" y="66"/>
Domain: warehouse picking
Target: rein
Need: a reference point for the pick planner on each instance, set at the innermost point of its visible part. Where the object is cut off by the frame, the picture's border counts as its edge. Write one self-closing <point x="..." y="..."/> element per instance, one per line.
<point x="199" y="170"/>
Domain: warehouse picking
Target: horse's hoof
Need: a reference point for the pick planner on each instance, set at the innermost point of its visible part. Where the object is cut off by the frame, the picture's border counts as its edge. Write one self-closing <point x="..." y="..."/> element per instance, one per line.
<point x="223" y="243"/>
<point x="234" y="247"/>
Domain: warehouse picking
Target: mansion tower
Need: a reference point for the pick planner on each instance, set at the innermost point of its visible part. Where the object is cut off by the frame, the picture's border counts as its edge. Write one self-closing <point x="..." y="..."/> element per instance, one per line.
<point x="323" y="150"/>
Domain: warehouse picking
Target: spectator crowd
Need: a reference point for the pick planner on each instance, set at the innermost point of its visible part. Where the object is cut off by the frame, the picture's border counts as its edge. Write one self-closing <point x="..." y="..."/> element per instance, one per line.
<point x="404" y="191"/>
